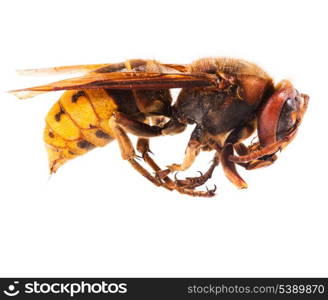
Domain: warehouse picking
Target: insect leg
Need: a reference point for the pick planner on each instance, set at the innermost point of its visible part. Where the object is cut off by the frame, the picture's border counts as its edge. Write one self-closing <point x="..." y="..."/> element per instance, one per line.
<point x="229" y="167"/>
<point x="259" y="153"/>
<point x="238" y="134"/>
<point x="142" y="129"/>
<point x="128" y="152"/>
<point x="193" y="182"/>
<point x="173" y="127"/>
<point x="135" y="127"/>
<point x="191" y="153"/>
<point x="236" y="138"/>
<point x="194" y="193"/>
<point x="143" y="148"/>
<point x="267" y="151"/>
<point x="241" y="150"/>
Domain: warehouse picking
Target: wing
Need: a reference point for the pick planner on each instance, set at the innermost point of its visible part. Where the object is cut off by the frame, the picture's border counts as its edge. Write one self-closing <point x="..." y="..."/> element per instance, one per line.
<point x="61" y="70"/>
<point x="180" y="68"/>
<point x="123" y="80"/>
<point x="102" y="68"/>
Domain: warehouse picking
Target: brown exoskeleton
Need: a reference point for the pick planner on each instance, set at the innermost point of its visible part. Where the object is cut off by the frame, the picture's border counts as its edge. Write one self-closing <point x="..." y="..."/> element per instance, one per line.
<point x="227" y="99"/>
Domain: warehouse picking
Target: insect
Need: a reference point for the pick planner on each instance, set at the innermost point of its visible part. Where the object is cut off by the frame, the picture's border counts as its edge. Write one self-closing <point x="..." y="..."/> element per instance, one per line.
<point x="226" y="99"/>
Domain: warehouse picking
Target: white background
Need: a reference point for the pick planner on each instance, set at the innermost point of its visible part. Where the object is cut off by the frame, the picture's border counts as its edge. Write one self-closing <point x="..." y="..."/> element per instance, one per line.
<point x="97" y="216"/>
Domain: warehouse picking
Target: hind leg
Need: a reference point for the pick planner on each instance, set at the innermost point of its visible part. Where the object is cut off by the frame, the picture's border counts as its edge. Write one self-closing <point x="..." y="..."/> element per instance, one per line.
<point x="143" y="148"/>
<point x="128" y="153"/>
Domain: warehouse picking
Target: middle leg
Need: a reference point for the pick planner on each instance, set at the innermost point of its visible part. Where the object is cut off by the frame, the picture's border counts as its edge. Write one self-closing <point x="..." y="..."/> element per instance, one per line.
<point x="128" y="153"/>
<point x="193" y="149"/>
<point x="193" y="182"/>
<point x="188" y="189"/>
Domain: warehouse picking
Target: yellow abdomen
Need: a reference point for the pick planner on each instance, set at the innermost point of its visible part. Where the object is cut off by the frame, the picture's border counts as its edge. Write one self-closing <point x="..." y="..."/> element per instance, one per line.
<point x="77" y="123"/>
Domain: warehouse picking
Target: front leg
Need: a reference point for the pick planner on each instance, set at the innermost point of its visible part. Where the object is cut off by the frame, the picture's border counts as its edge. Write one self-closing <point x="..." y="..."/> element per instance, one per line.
<point x="264" y="161"/>
<point x="256" y="152"/>
<point x="229" y="167"/>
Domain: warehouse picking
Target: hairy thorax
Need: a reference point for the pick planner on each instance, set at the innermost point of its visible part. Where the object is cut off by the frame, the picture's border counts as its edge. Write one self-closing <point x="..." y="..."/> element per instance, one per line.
<point x="241" y="87"/>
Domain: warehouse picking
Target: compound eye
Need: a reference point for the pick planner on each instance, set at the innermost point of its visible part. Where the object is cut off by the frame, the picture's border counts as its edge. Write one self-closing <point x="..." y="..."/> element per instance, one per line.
<point x="288" y="118"/>
<point x="278" y="115"/>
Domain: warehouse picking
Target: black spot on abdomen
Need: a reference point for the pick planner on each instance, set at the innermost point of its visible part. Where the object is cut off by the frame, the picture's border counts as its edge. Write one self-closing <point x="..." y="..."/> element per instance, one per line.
<point x="102" y="135"/>
<point x="58" y="115"/>
<point x="76" y="96"/>
<point x="85" y="145"/>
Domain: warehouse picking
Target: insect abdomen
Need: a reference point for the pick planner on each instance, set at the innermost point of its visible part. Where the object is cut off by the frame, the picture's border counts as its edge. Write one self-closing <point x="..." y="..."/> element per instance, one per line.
<point x="77" y="123"/>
